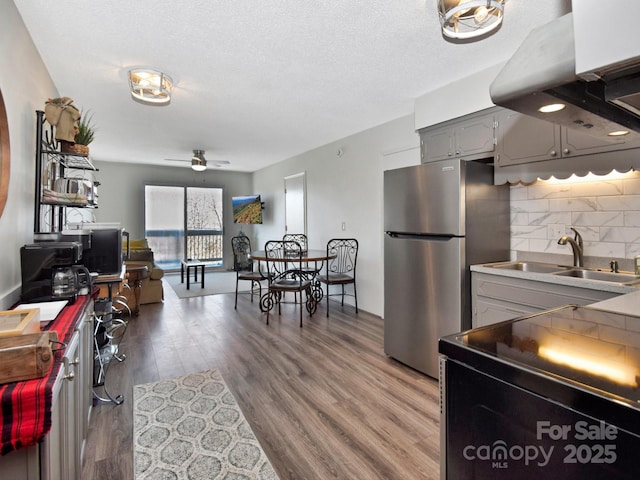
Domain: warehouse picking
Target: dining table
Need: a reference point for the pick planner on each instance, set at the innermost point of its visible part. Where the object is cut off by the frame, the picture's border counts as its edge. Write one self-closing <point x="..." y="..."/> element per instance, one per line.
<point x="315" y="256"/>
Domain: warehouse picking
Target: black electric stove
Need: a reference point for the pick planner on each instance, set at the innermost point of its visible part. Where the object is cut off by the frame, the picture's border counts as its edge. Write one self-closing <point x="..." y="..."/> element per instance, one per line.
<point x="554" y="393"/>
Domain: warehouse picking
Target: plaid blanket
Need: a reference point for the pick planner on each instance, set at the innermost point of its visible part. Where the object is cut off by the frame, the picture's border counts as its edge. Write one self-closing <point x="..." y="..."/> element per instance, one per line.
<point x="25" y="416"/>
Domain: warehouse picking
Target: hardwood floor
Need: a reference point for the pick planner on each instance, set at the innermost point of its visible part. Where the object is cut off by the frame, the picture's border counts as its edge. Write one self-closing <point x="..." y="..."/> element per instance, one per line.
<point x="323" y="400"/>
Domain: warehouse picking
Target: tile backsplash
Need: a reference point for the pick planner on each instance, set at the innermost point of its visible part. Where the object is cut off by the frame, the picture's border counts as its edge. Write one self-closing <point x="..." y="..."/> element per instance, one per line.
<point x="605" y="211"/>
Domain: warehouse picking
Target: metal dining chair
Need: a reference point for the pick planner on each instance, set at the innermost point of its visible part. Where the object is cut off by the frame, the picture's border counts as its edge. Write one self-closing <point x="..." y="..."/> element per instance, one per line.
<point x="243" y="266"/>
<point x="341" y="270"/>
<point x="311" y="270"/>
<point x="286" y="276"/>
<point x="299" y="238"/>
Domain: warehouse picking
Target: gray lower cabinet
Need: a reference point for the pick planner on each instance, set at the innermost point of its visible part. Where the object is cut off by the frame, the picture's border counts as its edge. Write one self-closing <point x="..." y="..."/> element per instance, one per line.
<point x="495" y="298"/>
<point x="59" y="455"/>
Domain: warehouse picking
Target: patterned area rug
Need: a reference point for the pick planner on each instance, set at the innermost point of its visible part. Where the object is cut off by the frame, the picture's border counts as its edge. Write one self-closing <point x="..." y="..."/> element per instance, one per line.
<point x="192" y="428"/>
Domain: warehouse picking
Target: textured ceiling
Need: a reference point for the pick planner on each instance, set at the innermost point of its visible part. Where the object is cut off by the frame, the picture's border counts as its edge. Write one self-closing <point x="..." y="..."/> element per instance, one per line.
<point x="256" y="82"/>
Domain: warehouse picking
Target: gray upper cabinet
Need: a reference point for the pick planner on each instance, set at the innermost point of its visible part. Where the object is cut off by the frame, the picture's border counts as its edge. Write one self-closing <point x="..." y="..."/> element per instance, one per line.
<point x="576" y="143"/>
<point x="437" y="144"/>
<point x="470" y="139"/>
<point x="525" y="148"/>
<point x="525" y="139"/>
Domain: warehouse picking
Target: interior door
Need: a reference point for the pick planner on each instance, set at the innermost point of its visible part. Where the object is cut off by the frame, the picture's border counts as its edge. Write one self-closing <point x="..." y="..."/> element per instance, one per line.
<point x="295" y="204"/>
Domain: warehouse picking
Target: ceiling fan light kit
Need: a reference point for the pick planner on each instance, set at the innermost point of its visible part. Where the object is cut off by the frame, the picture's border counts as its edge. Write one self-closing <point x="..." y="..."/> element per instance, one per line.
<point x="463" y="19"/>
<point x="198" y="162"/>
<point x="150" y="86"/>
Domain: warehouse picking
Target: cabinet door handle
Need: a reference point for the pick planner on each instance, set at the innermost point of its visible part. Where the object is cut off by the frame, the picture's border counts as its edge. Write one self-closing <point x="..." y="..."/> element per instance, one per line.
<point x="566" y="151"/>
<point x="553" y="153"/>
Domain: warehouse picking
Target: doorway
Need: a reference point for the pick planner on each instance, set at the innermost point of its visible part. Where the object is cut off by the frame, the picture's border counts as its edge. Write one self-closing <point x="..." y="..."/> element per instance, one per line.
<point x="295" y="203"/>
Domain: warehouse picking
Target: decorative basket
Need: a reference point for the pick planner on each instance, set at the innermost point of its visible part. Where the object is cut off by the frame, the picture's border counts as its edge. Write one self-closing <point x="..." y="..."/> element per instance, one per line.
<point x="74" y="148"/>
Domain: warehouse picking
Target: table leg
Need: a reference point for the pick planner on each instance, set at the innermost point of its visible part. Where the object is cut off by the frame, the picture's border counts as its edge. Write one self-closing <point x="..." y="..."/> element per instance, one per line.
<point x="188" y="267"/>
<point x="137" y="284"/>
<point x="182" y="273"/>
<point x="201" y="277"/>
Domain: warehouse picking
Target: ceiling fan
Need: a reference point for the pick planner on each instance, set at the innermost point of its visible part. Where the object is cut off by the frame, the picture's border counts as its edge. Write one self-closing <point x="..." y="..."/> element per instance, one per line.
<point x="199" y="163"/>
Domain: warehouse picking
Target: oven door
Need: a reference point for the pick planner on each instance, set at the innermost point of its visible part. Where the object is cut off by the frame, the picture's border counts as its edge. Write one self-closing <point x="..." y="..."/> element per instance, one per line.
<point x="492" y="430"/>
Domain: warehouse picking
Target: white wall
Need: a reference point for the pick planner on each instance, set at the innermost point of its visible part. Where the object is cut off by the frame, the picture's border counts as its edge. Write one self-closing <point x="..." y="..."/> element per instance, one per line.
<point x="121" y="194"/>
<point x="345" y="188"/>
<point x="456" y="99"/>
<point x="25" y="85"/>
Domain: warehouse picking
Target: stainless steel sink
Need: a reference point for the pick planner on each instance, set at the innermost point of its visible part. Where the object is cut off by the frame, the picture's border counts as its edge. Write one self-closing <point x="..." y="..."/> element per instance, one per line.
<point x="533" y="267"/>
<point x="611" y="277"/>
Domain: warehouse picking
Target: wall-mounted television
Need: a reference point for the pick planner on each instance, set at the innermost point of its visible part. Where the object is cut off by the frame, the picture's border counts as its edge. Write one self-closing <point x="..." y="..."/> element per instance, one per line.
<point x="247" y="209"/>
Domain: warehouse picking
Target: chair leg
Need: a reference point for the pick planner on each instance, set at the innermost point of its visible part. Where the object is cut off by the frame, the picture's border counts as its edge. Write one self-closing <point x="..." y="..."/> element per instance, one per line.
<point x="327" y="299"/>
<point x="309" y="298"/>
<point x="342" y="295"/>
<point x="300" y="309"/>
<point x="236" y="304"/>
<point x="268" y="310"/>
<point x="355" y="294"/>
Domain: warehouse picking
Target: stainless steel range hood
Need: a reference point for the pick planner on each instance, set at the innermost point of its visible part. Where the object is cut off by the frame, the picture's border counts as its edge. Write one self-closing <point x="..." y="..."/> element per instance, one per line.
<point x="543" y="71"/>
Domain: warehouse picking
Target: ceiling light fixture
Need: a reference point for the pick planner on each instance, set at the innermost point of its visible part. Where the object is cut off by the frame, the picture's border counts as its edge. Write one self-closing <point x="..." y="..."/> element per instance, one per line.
<point x="463" y="19"/>
<point x="198" y="162"/>
<point x="619" y="133"/>
<point x="150" y="86"/>
<point x="552" y="107"/>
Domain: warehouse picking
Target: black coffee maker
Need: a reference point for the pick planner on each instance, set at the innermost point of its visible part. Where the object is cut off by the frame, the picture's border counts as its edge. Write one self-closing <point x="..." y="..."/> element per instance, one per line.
<point x="52" y="271"/>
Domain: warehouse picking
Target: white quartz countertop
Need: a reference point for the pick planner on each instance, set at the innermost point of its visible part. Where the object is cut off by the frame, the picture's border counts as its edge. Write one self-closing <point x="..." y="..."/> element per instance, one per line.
<point x="628" y="304"/>
<point x="557" y="279"/>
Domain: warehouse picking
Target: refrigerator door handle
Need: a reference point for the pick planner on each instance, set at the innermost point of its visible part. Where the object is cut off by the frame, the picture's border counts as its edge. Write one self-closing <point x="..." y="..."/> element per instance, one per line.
<point x="433" y="237"/>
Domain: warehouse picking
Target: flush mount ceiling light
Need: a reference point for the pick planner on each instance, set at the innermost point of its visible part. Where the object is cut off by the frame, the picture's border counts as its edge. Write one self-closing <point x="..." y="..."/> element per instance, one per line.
<point x="463" y="19"/>
<point x="198" y="162"/>
<point x="150" y="86"/>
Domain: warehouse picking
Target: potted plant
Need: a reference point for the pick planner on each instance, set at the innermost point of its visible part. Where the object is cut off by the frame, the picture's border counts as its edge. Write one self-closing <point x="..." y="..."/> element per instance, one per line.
<point x="83" y="137"/>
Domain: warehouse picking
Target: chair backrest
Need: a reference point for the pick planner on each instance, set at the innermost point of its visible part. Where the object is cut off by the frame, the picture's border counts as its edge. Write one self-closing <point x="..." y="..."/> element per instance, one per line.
<point x="346" y="252"/>
<point x="278" y="249"/>
<point x="241" y="246"/>
<point x="299" y="238"/>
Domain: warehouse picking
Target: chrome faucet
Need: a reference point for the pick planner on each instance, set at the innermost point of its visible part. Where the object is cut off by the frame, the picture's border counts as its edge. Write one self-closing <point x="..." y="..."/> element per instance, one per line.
<point x="576" y="247"/>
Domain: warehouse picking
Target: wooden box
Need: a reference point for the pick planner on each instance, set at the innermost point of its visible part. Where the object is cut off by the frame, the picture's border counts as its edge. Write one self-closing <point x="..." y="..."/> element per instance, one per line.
<point x="19" y="322"/>
<point x="24" y="357"/>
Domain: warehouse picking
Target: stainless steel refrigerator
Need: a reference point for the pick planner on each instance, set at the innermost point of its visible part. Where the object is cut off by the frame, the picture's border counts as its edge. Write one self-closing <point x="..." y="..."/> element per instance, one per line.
<point x="439" y="218"/>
